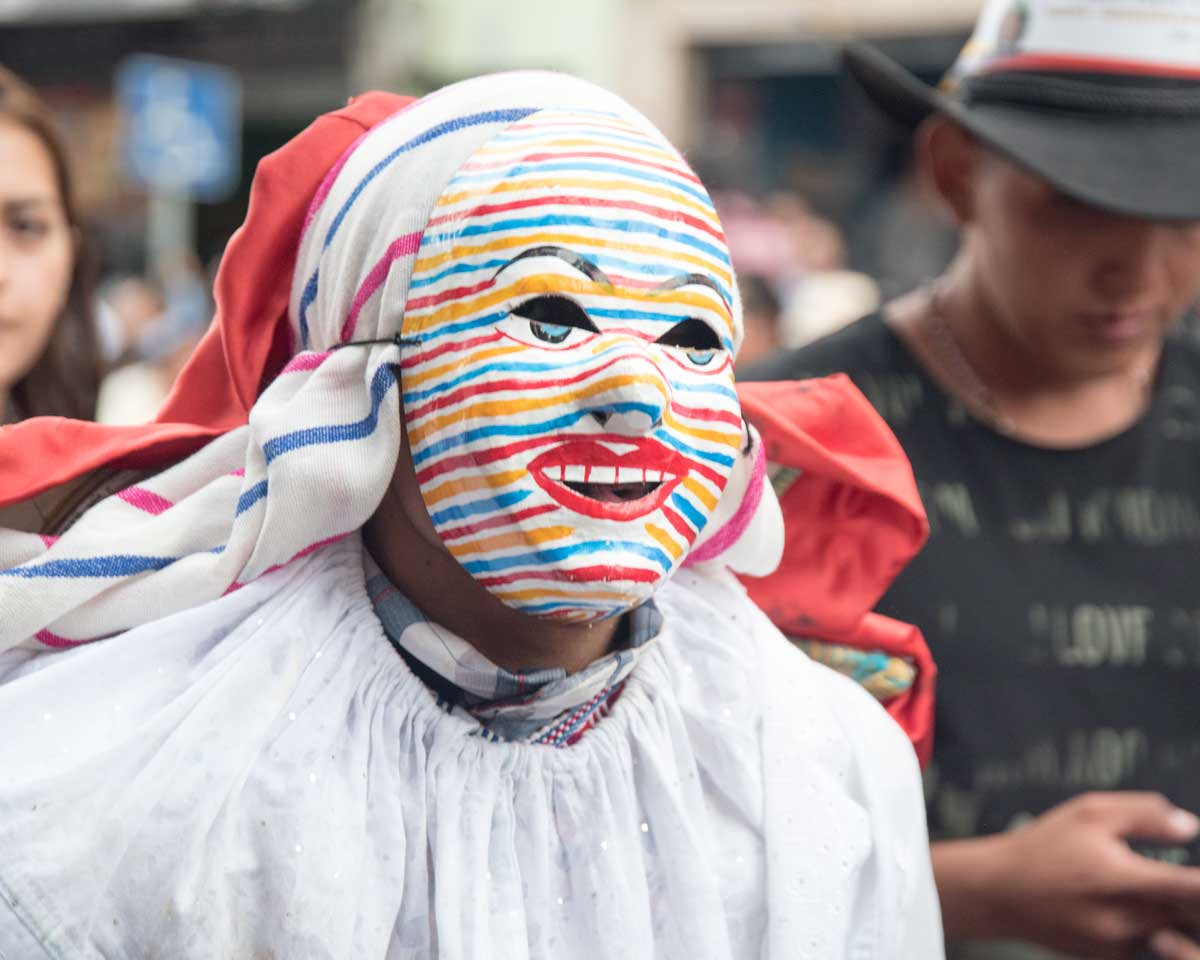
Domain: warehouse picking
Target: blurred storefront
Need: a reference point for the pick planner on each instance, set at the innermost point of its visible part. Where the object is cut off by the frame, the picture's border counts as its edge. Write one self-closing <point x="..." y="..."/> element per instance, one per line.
<point x="751" y="88"/>
<point x="292" y="57"/>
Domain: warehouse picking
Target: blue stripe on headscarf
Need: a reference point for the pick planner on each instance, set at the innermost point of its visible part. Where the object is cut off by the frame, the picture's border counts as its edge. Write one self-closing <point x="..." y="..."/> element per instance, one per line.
<point x="383" y="380"/>
<point x="115" y="565"/>
<point x="433" y="133"/>
<point x="251" y="497"/>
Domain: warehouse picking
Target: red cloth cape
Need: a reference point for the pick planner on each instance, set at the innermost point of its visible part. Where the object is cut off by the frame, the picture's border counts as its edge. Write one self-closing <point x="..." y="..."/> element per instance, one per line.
<point x="852" y="520"/>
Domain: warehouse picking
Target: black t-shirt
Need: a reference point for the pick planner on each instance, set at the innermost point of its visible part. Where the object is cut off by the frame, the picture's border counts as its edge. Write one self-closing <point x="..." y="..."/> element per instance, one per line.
<point x="1059" y="591"/>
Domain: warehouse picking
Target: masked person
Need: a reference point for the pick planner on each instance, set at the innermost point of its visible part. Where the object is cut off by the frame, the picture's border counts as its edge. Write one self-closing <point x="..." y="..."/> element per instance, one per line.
<point x="490" y="336"/>
<point x="1052" y="415"/>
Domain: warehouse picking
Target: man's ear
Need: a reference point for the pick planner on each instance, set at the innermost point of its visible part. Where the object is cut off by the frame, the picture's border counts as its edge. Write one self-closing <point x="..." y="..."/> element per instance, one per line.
<point x="949" y="157"/>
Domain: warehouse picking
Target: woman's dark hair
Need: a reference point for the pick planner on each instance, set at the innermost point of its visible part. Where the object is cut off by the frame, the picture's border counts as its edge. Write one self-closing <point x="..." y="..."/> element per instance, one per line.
<point x="65" y="379"/>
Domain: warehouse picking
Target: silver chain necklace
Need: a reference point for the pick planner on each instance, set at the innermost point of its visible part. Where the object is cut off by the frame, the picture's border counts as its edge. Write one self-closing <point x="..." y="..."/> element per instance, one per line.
<point x="964" y="372"/>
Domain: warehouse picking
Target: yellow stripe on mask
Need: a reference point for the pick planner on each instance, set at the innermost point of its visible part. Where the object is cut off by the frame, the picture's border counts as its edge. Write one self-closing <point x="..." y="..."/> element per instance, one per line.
<point x="468" y="484"/>
<point x="507" y="541"/>
<point x="666" y="541"/>
<point x="700" y="492"/>
<point x="712" y="436"/>
<point x="412" y="379"/>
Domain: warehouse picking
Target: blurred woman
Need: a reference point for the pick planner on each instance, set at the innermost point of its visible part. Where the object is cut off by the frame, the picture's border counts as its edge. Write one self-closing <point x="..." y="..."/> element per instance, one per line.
<point x="49" y="363"/>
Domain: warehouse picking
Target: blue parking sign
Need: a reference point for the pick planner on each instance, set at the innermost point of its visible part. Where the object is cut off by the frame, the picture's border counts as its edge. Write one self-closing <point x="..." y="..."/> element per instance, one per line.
<point x="181" y="125"/>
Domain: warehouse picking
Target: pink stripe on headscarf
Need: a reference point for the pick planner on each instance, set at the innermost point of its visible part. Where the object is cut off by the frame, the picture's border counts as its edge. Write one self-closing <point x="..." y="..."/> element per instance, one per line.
<point x="54" y="640"/>
<point x="400" y="247"/>
<point x="327" y="185"/>
<point x="736" y="525"/>
<point x="305" y="361"/>
<point x="145" y="500"/>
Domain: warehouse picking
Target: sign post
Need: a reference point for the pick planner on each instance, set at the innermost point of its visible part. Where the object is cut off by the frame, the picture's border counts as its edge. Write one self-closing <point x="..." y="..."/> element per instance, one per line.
<point x="181" y="124"/>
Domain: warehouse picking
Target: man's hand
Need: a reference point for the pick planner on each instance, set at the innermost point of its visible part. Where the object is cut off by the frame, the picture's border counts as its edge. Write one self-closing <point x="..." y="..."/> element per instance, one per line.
<point x="1070" y="882"/>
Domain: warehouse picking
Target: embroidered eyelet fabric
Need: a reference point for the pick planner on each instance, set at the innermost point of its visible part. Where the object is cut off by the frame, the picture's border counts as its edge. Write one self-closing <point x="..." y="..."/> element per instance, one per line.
<point x="263" y="776"/>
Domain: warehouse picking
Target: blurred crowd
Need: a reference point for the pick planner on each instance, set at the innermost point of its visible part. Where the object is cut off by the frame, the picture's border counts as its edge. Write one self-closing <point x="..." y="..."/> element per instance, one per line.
<point x="147" y="330"/>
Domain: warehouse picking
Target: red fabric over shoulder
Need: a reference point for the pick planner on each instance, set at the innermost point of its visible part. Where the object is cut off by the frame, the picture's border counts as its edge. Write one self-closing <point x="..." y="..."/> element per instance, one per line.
<point x="852" y="520"/>
<point x="245" y="346"/>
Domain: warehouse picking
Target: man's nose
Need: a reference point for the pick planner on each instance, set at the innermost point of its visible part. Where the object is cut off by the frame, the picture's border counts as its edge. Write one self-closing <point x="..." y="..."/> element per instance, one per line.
<point x="1135" y="257"/>
<point x="634" y="397"/>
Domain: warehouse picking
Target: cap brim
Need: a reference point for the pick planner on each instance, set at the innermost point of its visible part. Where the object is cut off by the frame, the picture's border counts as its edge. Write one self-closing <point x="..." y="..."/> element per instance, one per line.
<point x="1134" y="165"/>
<point x="896" y="92"/>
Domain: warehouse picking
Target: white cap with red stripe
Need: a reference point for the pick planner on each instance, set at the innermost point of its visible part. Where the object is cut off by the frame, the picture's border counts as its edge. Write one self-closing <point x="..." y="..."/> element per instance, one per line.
<point x="1133" y="37"/>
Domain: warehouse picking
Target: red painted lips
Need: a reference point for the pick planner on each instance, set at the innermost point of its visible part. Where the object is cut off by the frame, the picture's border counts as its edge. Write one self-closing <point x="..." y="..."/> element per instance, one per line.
<point x="592" y="466"/>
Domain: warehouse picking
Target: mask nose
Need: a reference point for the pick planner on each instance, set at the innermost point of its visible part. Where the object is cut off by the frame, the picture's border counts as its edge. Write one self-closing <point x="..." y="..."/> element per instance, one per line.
<point x="636" y="398"/>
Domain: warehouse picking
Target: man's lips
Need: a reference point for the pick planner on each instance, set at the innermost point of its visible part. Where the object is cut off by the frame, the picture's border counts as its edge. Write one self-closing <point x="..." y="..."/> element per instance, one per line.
<point x="590" y="478"/>
<point x="1116" y="327"/>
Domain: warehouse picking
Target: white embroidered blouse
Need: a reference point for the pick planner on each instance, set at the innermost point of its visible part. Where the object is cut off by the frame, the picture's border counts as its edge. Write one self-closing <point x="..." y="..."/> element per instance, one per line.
<point x="263" y="776"/>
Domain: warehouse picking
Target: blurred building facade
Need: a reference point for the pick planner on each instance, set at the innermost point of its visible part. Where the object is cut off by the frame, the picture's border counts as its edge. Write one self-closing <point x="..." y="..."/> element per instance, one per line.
<point x="292" y="57"/>
<point x="750" y="88"/>
<point x="652" y="52"/>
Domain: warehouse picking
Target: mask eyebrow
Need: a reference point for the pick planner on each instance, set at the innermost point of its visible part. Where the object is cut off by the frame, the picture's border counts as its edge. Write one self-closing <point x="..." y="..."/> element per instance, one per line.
<point x="580" y="263"/>
<point x="686" y="279"/>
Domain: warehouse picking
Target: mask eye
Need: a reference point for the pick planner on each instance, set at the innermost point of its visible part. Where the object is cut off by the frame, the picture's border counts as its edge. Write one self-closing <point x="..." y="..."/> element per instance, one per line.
<point x="695" y="339"/>
<point x="550" y="332"/>
<point x="552" y="318"/>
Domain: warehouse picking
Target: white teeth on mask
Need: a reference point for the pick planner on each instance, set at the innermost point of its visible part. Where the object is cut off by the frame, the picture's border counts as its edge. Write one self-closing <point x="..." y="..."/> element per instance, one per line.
<point x="603" y="475"/>
<point x="613" y="476"/>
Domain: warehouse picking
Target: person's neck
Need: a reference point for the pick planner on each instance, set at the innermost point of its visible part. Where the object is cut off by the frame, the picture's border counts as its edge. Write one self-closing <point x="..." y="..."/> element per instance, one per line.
<point x="1002" y="382"/>
<point x="443" y="590"/>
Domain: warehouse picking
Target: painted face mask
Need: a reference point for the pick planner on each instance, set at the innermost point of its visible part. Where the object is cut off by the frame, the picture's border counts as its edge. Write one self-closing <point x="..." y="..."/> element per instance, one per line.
<point x="567" y="375"/>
